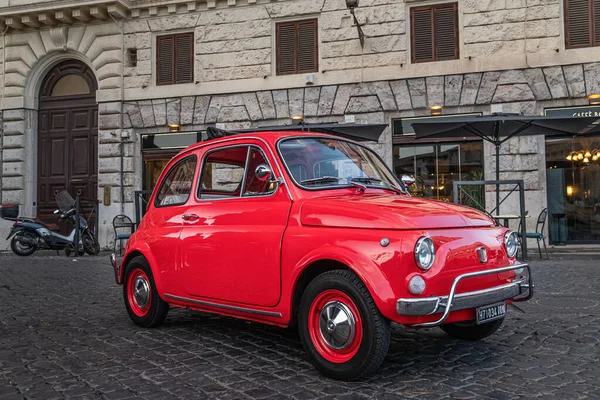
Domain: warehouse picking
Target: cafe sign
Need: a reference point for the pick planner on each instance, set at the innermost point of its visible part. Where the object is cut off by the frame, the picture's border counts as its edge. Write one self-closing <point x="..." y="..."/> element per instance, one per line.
<point x="575" y="112"/>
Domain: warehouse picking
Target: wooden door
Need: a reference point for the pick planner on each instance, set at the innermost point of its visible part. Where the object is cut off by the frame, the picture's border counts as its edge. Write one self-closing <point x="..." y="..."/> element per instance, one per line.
<point x="67" y="140"/>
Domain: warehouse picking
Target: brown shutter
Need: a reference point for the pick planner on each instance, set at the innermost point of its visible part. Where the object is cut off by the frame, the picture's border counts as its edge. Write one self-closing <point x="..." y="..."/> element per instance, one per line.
<point x="286" y="48"/>
<point x="578" y="20"/>
<point x="307" y="46"/>
<point x="164" y="60"/>
<point x="297" y="47"/>
<point x="596" y="13"/>
<point x="446" y="32"/>
<point x="422" y="34"/>
<point x="184" y="58"/>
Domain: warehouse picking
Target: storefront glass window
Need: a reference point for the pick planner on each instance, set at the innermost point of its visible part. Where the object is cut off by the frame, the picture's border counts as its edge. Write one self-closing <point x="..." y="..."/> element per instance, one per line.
<point x="573" y="189"/>
<point x="436" y="167"/>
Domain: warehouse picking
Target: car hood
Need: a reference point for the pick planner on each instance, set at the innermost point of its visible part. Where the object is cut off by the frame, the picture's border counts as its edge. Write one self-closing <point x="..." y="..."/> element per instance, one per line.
<point x="388" y="211"/>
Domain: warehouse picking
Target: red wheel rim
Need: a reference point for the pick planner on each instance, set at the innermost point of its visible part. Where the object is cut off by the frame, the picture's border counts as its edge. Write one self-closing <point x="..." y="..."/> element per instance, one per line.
<point x="139" y="292"/>
<point x="335" y="326"/>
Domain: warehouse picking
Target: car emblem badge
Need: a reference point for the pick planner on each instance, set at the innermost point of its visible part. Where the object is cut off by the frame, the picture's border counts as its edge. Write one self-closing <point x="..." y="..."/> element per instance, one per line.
<point x="482" y="253"/>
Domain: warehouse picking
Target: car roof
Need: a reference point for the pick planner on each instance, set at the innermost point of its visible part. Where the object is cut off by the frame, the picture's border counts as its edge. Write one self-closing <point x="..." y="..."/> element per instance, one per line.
<point x="271" y="137"/>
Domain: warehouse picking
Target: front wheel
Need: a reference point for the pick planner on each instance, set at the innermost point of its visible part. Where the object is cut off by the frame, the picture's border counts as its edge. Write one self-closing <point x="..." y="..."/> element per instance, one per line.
<point x="470" y="330"/>
<point x="341" y="328"/>
<point x="24" y="243"/>
<point x="144" y="305"/>
<point x="90" y="244"/>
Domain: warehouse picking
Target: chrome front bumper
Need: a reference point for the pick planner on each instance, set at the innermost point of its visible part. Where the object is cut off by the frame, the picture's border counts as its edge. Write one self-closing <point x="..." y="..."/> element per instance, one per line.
<point x="518" y="290"/>
<point x="117" y="268"/>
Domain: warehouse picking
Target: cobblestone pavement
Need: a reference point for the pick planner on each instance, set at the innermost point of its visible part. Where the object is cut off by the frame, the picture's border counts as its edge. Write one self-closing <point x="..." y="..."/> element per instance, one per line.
<point x="64" y="333"/>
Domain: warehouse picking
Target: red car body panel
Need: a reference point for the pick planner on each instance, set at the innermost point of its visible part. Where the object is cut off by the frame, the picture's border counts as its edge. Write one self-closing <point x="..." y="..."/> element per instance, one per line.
<point x="243" y="257"/>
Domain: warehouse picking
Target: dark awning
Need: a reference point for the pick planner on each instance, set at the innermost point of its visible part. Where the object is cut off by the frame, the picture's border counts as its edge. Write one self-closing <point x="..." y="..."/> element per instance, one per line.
<point x="358" y="132"/>
<point x="499" y="128"/>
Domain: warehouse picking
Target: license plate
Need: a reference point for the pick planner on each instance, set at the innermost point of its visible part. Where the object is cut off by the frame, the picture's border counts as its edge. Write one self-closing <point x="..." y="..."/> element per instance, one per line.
<point x="490" y="313"/>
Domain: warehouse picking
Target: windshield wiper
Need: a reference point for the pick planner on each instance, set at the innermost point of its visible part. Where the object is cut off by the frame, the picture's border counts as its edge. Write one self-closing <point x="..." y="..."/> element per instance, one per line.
<point x="365" y="179"/>
<point x="322" y="179"/>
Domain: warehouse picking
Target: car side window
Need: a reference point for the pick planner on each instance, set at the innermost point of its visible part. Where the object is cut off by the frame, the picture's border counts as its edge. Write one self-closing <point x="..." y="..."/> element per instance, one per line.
<point x="175" y="189"/>
<point x="252" y="185"/>
<point x="222" y="173"/>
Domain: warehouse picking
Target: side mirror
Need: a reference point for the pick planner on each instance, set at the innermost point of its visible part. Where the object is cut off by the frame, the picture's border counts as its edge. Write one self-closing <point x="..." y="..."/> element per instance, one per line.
<point x="263" y="172"/>
<point x="407" y="180"/>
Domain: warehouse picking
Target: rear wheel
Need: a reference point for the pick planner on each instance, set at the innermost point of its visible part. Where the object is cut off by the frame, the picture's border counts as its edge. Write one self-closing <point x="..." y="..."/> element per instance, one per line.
<point x="144" y="305"/>
<point x="90" y="245"/>
<point x="341" y="329"/>
<point x="24" y="243"/>
<point x="471" y="331"/>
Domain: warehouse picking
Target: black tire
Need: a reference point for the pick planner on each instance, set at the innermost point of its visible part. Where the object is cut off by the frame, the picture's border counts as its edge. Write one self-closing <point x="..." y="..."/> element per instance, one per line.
<point x="90" y="245"/>
<point x="156" y="311"/>
<point x="369" y="352"/>
<point x="22" y="248"/>
<point x="471" y="331"/>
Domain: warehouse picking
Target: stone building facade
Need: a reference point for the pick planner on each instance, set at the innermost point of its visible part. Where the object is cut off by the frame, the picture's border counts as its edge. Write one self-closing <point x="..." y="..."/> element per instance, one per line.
<point x="512" y="57"/>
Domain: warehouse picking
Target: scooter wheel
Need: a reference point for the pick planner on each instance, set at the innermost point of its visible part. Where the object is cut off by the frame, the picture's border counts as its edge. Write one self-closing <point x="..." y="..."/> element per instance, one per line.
<point x="23" y="244"/>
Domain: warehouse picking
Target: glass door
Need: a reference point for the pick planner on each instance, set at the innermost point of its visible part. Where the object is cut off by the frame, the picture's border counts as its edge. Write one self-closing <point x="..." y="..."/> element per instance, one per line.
<point x="573" y="185"/>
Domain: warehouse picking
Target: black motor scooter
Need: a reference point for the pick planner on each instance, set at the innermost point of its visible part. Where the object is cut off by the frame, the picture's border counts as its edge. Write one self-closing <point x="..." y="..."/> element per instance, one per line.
<point x="29" y="235"/>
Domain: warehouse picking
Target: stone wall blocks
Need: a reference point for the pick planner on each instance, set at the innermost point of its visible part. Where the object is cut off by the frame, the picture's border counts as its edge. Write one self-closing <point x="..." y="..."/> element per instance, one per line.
<point x="138" y="81"/>
<point x="14" y="155"/>
<point x="241" y="30"/>
<point x="109" y="150"/>
<point x="296" y="101"/>
<point x="232" y="15"/>
<point x="109" y="121"/>
<point x="401" y="94"/>
<point x="537" y="82"/>
<point x="363" y="104"/>
<point x="187" y="110"/>
<point x="232" y="114"/>
<point x="311" y="101"/>
<point x="474" y="6"/>
<point x="170" y="23"/>
<point x="489" y="81"/>
<point x="160" y="112"/>
<point x="452" y="90"/>
<point x="293" y="8"/>
<point x="252" y="107"/>
<point x="435" y="90"/>
<point x="141" y="40"/>
<point x="136" y="26"/>
<point x="112" y="82"/>
<point x="239" y="58"/>
<point x="280" y="99"/>
<point x="575" y="80"/>
<point x="267" y="107"/>
<point x="418" y="92"/>
<point x="229" y="46"/>
<point x="543" y="28"/>
<point x="13" y="182"/>
<point x="13" y="115"/>
<point x="510" y="93"/>
<point x="200" y="109"/>
<point x="232" y="73"/>
<point x="14" y="142"/>
<point x="134" y="114"/>
<point x="113" y="107"/>
<point x="592" y="77"/>
<point x="327" y="99"/>
<point x="342" y="97"/>
<point x="173" y="111"/>
<point x="147" y="113"/>
<point x="556" y="82"/>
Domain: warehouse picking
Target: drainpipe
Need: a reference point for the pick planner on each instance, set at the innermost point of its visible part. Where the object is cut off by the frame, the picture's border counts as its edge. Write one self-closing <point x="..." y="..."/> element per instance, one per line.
<point x="121" y="118"/>
<point x="1" y="100"/>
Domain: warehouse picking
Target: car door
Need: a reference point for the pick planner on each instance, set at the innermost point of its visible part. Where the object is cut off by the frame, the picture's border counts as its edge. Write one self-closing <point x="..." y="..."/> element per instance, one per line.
<point x="163" y="222"/>
<point x="231" y="242"/>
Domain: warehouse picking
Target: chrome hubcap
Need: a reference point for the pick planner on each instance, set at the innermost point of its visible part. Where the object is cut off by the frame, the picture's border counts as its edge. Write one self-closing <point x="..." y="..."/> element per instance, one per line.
<point x="336" y="325"/>
<point x="141" y="291"/>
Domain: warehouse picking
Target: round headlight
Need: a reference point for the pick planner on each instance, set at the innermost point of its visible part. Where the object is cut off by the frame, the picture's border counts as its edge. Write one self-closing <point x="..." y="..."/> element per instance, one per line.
<point x="511" y="241"/>
<point x="424" y="253"/>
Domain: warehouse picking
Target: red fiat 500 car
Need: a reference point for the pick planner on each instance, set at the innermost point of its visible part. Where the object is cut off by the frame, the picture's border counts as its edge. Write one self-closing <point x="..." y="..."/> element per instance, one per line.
<point x="313" y="230"/>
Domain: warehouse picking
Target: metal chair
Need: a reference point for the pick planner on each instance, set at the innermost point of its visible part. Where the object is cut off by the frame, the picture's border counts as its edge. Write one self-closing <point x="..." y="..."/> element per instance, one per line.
<point x="538" y="235"/>
<point x="123" y="227"/>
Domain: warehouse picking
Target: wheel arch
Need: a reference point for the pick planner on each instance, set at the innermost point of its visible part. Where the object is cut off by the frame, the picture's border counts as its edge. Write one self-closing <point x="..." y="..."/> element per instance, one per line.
<point x="325" y="264"/>
<point x="138" y="251"/>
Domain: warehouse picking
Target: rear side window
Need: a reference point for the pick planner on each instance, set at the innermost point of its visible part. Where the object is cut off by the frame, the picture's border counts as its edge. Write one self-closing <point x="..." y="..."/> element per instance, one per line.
<point x="175" y="189"/>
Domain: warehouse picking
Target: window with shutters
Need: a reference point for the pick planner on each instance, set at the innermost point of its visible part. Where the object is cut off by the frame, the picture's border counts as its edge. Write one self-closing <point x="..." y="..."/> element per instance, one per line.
<point x="582" y="23"/>
<point x="434" y="32"/>
<point x="297" y="47"/>
<point x="175" y="59"/>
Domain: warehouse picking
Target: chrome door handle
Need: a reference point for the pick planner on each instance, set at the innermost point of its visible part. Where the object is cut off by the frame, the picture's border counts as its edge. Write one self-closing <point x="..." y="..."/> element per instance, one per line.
<point x="189" y="217"/>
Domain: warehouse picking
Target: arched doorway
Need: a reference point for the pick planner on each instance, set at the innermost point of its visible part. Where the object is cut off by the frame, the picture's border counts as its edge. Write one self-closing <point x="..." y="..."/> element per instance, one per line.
<point x="67" y="136"/>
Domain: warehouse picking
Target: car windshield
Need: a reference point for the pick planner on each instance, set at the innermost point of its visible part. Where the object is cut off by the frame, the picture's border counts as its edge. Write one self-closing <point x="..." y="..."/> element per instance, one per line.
<point x="326" y="163"/>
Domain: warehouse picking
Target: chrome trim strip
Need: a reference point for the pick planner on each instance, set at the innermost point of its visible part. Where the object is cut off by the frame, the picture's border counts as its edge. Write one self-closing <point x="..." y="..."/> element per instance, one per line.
<point x="452" y="296"/>
<point x="224" y="306"/>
